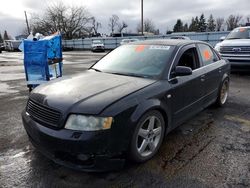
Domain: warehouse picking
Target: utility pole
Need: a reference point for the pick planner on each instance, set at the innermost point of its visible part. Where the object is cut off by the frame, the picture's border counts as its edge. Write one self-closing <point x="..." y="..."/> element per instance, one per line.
<point x="28" y="28"/>
<point x="142" y="17"/>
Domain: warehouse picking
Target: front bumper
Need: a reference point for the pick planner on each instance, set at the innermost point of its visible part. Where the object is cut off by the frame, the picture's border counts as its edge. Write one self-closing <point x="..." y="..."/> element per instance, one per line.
<point x="86" y="151"/>
<point x="99" y="48"/>
<point x="238" y="63"/>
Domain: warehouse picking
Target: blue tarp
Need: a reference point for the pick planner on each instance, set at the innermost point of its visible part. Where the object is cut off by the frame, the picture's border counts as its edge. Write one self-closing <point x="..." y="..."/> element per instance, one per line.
<point x="42" y="60"/>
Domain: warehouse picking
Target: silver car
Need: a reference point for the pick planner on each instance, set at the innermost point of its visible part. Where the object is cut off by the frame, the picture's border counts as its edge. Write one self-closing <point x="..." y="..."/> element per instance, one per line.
<point x="97" y="45"/>
<point x="236" y="48"/>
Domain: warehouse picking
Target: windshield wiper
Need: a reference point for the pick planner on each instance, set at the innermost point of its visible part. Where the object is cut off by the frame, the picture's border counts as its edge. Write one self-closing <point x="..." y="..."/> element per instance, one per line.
<point x="97" y="70"/>
<point x="130" y="74"/>
<point x="234" y="38"/>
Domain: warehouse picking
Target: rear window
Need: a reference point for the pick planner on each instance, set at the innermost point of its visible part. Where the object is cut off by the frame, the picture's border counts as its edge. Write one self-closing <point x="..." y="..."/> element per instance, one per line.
<point x="207" y="55"/>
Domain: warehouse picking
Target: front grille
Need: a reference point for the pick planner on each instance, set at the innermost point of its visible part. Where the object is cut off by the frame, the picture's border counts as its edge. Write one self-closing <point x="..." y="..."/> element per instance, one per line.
<point x="44" y="114"/>
<point x="235" y="49"/>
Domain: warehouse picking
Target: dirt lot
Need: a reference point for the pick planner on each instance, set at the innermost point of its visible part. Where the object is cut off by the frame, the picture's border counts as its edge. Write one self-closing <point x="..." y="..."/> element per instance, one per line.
<point x="211" y="150"/>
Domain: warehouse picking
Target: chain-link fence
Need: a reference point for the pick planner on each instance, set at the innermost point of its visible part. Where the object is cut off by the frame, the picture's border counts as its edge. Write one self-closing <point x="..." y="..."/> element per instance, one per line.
<point x="113" y="42"/>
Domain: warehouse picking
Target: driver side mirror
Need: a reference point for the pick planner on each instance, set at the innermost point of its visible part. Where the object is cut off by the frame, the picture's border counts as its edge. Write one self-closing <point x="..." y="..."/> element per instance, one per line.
<point x="182" y="71"/>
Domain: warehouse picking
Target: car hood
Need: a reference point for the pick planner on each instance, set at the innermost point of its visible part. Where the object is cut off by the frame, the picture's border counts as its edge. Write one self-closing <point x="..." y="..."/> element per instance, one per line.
<point x="236" y="42"/>
<point x="88" y="93"/>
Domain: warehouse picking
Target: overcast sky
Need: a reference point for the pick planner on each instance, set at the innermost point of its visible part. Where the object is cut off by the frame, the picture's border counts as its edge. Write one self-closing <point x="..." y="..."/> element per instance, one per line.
<point x="163" y="13"/>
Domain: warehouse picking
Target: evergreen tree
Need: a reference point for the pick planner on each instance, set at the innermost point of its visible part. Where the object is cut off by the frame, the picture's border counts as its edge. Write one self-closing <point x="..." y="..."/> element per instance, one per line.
<point x="202" y="23"/>
<point x="194" y="25"/>
<point x="178" y="27"/>
<point x="211" y="23"/>
<point x="1" y="38"/>
<point x="185" y="27"/>
<point x="5" y="35"/>
<point x="196" y="22"/>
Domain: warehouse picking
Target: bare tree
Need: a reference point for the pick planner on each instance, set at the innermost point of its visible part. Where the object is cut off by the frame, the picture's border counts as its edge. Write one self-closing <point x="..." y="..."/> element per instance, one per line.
<point x="233" y="21"/>
<point x="148" y="26"/>
<point x="122" y="26"/>
<point x="71" y="21"/>
<point x="113" y="22"/>
<point x="95" y="25"/>
<point x="248" y="19"/>
<point x="219" y="23"/>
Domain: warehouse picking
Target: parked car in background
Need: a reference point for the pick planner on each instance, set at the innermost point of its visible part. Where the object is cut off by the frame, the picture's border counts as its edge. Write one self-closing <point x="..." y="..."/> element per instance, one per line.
<point x="126" y="41"/>
<point x="12" y="45"/>
<point x="65" y="49"/>
<point x="125" y="104"/>
<point x="97" y="45"/>
<point x="180" y="37"/>
<point x="236" y="48"/>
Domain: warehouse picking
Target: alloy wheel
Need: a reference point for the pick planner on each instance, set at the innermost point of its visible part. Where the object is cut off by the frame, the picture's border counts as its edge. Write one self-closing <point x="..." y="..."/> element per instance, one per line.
<point x="224" y="92"/>
<point x="149" y="136"/>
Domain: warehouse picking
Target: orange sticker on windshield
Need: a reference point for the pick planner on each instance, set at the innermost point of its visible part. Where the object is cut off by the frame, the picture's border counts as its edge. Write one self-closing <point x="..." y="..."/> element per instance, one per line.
<point x="207" y="55"/>
<point x="140" y="48"/>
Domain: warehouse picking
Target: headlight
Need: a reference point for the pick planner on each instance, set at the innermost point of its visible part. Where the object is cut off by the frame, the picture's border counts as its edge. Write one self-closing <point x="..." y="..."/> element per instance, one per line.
<point x="217" y="47"/>
<point x="88" y="123"/>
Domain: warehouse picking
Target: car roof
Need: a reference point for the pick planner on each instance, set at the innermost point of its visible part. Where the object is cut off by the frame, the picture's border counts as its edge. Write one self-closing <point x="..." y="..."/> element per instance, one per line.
<point x="170" y="42"/>
<point x="246" y="27"/>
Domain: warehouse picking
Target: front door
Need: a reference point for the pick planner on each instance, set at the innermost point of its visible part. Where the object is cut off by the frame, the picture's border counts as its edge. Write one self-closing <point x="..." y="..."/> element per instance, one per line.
<point x="187" y="91"/>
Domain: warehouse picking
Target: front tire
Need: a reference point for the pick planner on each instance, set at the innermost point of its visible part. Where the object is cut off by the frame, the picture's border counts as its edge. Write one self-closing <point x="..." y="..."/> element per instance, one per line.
<point x="223" y="93"/>
<point x="147" y="137"/>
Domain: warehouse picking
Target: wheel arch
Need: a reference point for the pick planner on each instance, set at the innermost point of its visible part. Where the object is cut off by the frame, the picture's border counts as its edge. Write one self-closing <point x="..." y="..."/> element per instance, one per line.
<point x="149" y="105"/>
<point x="226" y="75"/>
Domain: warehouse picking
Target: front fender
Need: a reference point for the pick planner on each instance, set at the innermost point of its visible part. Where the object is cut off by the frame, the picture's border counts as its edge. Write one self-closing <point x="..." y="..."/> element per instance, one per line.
<point x="152" y="104"/>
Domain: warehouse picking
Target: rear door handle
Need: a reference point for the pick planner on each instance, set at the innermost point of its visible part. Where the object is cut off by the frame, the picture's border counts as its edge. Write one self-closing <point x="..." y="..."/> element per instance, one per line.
<point x="220" y="70"/>
<point x="203" y="78"/>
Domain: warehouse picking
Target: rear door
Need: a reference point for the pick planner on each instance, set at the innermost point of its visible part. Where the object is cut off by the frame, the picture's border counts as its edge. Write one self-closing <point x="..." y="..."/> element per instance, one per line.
<point x="211" y="70"/>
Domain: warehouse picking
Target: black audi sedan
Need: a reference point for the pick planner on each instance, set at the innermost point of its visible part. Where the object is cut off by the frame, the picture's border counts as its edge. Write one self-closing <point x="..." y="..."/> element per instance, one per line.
<point x="124" y="105"/>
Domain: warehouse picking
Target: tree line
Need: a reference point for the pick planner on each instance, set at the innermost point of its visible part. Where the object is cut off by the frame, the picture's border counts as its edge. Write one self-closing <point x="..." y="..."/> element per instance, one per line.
<point x="201" y="24"/>
<point x="76" y="22"/>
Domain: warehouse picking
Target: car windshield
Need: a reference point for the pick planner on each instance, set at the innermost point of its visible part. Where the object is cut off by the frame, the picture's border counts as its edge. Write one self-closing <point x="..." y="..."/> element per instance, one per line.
<point x="97" y="42"/>
<point x="239" y="33"/>
<point x="136" y="60"/>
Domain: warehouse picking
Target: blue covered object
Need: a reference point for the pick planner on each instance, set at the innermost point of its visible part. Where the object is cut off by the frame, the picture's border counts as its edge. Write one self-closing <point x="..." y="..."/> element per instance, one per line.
<point x="42" y="60"/>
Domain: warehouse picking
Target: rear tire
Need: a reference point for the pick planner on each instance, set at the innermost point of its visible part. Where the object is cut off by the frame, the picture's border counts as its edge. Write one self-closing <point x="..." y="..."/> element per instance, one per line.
<point x="223" y="93"/>
<point x="147" y="137"/>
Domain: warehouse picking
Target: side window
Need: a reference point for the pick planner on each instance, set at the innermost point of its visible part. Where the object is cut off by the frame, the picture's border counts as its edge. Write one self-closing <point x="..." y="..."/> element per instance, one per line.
<point x="207" y="55"/>
<point x="189" y="59"/>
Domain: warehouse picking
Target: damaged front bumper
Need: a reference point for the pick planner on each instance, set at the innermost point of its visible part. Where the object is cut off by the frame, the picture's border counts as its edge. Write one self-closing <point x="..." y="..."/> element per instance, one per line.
<point x="85" y="151"/>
